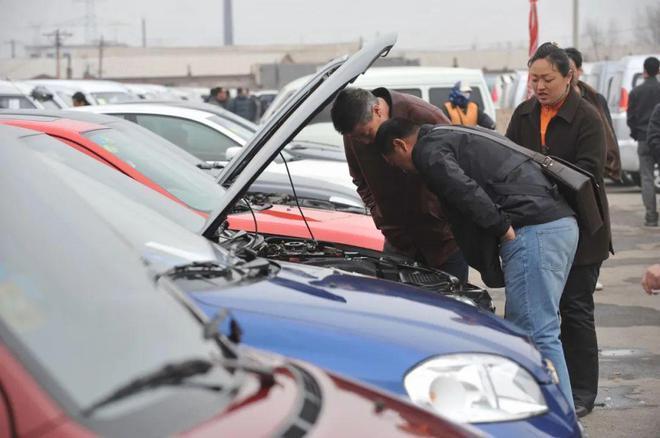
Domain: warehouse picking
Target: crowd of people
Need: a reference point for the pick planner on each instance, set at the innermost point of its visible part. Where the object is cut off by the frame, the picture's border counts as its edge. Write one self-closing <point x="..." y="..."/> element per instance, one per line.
<point x="450" y="197"/>
<point x="243" y="104"/>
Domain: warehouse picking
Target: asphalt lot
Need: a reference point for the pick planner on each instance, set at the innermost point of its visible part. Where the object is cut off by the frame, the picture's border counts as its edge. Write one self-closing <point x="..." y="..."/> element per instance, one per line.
<point x="628" y="326"/>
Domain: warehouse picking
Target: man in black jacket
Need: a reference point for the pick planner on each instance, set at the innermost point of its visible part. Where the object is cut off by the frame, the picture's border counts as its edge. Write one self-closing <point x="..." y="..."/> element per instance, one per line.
<point x="643" y="99"/>
<point x="492" y="192"/>
<point x="653" y="134"/>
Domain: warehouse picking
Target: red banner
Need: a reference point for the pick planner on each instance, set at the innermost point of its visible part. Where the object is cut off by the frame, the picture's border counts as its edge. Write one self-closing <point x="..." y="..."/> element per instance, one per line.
<point x="533" y="37"/>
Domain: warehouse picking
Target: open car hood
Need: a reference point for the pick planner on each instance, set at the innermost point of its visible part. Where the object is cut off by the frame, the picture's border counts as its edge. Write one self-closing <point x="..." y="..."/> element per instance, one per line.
<point x="283" y="126"/>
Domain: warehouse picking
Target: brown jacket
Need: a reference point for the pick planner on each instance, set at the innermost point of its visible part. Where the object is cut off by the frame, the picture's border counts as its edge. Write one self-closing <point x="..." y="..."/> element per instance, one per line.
<point x="575" y="134"/>
<point x="612" y="157"/>
<point x="406" y="212"/>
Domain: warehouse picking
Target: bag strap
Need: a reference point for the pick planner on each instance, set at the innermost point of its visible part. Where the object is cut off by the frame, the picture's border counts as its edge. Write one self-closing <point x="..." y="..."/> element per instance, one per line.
<point x="544" y="160"/>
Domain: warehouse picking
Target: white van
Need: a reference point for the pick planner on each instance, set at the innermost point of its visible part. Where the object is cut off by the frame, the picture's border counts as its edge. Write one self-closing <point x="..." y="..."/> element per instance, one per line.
<point x="432" y="84"/>
<point x="617" y="79"/>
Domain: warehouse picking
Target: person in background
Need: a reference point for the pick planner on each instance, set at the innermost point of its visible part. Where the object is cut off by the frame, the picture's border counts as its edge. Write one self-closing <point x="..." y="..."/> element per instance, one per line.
<point x="402" y="208"/>
<point x="643" y="98"/>
<point x="613" y="158"/>
<point x="653" y="134"/>
<point x="462" y="111"/>
<point x="79" y="99"/>
<point x="219" y="96"/>
<point x="244" y="105"/>
<point x="557" y="121"/>
<point x="492" y="193"/>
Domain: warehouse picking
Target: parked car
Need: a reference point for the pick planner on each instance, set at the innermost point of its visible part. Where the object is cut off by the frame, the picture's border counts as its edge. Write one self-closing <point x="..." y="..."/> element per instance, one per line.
<point x="433" y="84"/>
<point x="150" y="91"/>
<point x="95" y="343"/>
<point x="163" y="167"/>
<point x="17" y="95"/>
<point x="401" y="339"/>
<point x="97" y="92"/>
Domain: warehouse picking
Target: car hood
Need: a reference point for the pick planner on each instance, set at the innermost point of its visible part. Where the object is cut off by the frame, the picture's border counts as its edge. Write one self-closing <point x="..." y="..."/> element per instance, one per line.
<point x="318" y="315"/>
<point x="288" y="121"/>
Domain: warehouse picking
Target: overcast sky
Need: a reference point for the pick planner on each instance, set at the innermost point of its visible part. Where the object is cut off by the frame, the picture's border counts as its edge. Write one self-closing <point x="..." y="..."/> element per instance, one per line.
<point x="423" y="24"/>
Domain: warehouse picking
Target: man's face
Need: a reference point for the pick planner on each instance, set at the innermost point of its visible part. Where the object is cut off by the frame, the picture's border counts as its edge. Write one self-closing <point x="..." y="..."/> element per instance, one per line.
<point x="366" y="132"/>
<point x="401" y="155"/>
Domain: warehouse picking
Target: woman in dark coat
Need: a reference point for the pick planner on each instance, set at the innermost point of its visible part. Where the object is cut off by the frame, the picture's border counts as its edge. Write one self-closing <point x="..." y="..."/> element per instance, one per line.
<point x="558" y="122"/>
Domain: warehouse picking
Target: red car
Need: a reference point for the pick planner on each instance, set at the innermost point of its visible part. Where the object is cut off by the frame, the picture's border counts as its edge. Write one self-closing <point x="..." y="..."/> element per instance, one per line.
<point x="143" y="156"/>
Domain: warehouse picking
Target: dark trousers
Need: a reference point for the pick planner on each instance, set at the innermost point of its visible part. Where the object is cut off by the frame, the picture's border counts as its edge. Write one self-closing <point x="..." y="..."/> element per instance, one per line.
<point x="578" y="333"/>
<point x="454" y="265"/>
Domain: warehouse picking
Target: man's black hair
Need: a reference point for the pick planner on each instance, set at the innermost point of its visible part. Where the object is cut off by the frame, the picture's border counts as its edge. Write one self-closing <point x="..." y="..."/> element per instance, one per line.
<point x="575" y="55"/>
<point x="651" y="65"/>
<point x="555" y="55"/>
<point x="80" y="97"/>
<point x="391" y="129"/>
<point x="351" y="107"/>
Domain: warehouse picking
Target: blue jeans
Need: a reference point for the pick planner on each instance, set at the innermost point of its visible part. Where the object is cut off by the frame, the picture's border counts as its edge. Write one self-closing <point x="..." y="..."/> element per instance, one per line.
<point x="536" y="265"/>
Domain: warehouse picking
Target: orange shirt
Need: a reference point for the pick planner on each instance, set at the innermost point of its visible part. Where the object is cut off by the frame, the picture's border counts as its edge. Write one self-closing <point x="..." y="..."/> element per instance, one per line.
<point x="547" y="114"/>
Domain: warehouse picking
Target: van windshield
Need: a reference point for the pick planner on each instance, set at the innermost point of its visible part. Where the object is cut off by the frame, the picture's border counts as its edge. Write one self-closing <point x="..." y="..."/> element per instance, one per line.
<point x="439" y="95"/>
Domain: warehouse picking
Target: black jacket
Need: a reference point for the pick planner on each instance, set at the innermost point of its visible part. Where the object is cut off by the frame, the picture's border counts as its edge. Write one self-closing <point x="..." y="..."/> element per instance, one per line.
<point x="643" y="98"/>
<point x="486" y="187"/>
<point x="576" y="135"/>
<point x="653" y="134"/>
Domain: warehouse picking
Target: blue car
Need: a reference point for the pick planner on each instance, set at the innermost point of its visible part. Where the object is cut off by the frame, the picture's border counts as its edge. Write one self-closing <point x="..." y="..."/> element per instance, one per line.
<point x="440" y="353"/>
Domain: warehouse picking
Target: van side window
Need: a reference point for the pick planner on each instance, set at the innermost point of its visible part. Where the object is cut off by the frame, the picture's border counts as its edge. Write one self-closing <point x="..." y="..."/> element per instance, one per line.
<point x="438" y="96"/>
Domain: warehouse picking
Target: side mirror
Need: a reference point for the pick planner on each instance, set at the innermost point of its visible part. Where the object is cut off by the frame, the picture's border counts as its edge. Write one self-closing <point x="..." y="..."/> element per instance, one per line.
<point x="232" y="152"/>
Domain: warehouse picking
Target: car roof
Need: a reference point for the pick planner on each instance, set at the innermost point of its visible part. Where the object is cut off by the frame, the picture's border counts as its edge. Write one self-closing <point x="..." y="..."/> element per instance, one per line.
<point x="89" y="86"/>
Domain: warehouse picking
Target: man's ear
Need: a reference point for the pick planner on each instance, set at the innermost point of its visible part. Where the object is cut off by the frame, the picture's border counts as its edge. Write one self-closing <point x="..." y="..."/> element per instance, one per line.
<point x="399" y="144"/>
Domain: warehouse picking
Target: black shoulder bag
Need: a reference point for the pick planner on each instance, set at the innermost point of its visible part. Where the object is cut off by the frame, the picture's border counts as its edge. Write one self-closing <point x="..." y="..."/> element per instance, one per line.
<point x="577" y="186"/>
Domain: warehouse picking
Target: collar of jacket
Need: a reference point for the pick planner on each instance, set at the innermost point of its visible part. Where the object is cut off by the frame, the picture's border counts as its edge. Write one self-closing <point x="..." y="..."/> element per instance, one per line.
<point x="651" y="79"/>
<point x="392" y="98"/>
<point x="566" y="112"/>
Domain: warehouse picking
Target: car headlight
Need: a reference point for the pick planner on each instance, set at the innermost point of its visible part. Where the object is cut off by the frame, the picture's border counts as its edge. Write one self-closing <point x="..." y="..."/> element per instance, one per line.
<point x="475" y="388"/>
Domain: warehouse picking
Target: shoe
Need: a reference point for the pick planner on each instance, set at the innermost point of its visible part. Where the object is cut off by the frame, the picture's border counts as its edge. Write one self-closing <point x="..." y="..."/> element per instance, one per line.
<point x="581" y="411"/>
<point x="599" y="285"/>
<point x="651" y="223"/>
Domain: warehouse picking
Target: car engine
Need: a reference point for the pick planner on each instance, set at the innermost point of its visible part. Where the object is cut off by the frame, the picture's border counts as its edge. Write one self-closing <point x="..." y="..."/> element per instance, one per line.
<point x="357" y="261"/>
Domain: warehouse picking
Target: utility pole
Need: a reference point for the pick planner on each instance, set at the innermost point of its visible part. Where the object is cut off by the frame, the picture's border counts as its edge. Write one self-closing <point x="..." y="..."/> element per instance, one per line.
<point x="101" y="43"/>
<point x="12" y="43"/>
<point x="144" y="32"/>
<point x="58" y="34"/>
<point x="69" y="70"/>
<point x="228" y="23"/>
<point x="576" y="34"/>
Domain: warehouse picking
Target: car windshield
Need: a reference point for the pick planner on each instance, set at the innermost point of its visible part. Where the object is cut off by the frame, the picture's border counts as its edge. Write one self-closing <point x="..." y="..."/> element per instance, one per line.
<point x="107" y="97"/>
<point x="16" y="102"/>
<point x="143" y="152"/>
<point x="241" y="130"/>
<point x="77" y="306"/>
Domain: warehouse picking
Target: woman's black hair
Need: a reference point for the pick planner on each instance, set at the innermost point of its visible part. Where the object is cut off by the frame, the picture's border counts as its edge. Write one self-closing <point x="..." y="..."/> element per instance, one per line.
<point x="555" y="55"/>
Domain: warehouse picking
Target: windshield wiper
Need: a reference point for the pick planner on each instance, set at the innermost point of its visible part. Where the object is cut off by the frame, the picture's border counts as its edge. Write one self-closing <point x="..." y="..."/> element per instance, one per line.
<point x="171" y="374"/>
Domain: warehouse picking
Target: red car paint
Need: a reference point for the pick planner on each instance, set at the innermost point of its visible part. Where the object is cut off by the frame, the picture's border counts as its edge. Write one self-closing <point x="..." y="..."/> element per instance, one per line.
<point x="348" y="409"/>
<point x="327" y="226"/>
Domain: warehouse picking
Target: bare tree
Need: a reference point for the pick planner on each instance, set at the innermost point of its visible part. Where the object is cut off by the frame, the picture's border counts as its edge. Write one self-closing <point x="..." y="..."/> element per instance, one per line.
<point x="596" y="38"/>
<point x="648" y="25"/>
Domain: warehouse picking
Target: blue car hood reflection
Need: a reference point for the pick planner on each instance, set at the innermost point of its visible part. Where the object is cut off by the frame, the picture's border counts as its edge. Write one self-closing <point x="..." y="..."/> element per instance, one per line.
<point x="368" y="329"/>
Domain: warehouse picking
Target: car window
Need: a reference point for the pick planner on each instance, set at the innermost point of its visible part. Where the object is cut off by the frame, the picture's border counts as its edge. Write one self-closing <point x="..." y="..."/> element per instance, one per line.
<point x="108" y="97"/>
<point x="439" y="95"/>
<point x="16" y="102"/>
<point x="179" y="178"/>
<point x="614" y="91"/>
<point x="195" y="138"/>
<point x="243" y="131"/>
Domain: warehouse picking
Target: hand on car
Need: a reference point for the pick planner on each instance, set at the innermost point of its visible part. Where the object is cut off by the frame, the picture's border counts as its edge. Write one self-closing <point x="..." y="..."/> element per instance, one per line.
<point x="651" y="280"/>
<point x="509" y="235"/>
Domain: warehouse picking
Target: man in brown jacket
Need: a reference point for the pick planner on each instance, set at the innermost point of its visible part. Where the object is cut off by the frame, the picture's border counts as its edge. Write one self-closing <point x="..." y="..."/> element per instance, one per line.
<point x="612" y="157"/>
<point x="406" y="212"/>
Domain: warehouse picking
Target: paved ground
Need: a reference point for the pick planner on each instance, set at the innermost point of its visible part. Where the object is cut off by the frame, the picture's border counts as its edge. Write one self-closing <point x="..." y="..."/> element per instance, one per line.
<point x="628" y="325"/>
